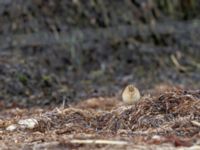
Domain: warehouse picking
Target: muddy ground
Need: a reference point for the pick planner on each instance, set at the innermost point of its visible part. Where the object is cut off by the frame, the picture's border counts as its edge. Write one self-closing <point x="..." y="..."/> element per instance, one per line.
<point x="65" y="63"/>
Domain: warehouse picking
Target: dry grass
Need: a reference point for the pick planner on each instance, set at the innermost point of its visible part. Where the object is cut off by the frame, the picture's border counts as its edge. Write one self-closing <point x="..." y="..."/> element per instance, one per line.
<point x="169" y="117"/>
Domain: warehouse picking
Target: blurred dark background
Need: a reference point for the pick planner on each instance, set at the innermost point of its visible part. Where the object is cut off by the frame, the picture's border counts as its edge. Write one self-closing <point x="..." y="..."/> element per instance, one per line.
<point x="75" y="49"/>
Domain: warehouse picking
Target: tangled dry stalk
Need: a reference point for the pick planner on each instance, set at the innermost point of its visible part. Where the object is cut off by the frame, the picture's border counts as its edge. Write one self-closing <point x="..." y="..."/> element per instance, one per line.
<point x="169" y="117"/>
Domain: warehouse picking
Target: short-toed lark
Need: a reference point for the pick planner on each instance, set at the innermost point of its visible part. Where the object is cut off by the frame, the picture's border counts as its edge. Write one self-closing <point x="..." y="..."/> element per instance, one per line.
<point x="130" y="94"/>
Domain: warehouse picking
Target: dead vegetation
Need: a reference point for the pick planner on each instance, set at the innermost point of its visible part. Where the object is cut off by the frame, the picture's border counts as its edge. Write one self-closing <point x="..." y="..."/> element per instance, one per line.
<point x="170" y="117"/>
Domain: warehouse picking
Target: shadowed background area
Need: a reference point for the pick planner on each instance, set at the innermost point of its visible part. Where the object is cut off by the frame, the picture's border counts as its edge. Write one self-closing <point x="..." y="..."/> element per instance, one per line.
<point x="50" y="50"/>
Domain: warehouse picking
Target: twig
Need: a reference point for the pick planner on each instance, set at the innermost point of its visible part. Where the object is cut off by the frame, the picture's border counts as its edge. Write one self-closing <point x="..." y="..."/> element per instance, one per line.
<point x="196" y="123"/>
<point x="45" y="145"/>
<point x="99" y="142"/>
<point x="63" y="103"/>
<point x="177" y="64"/>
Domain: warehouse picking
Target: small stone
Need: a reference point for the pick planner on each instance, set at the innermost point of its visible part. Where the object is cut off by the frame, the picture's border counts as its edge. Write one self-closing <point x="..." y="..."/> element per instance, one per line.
<point x="28" y="123"/>
<point x="11" y="127"/>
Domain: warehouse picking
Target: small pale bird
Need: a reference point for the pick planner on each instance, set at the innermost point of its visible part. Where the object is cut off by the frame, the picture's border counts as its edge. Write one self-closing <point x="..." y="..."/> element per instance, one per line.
<point x="130" y="94"/>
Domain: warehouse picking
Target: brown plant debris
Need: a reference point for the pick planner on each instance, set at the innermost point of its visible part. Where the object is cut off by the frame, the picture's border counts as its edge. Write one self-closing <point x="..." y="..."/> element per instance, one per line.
<point x="171" y="117"/>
